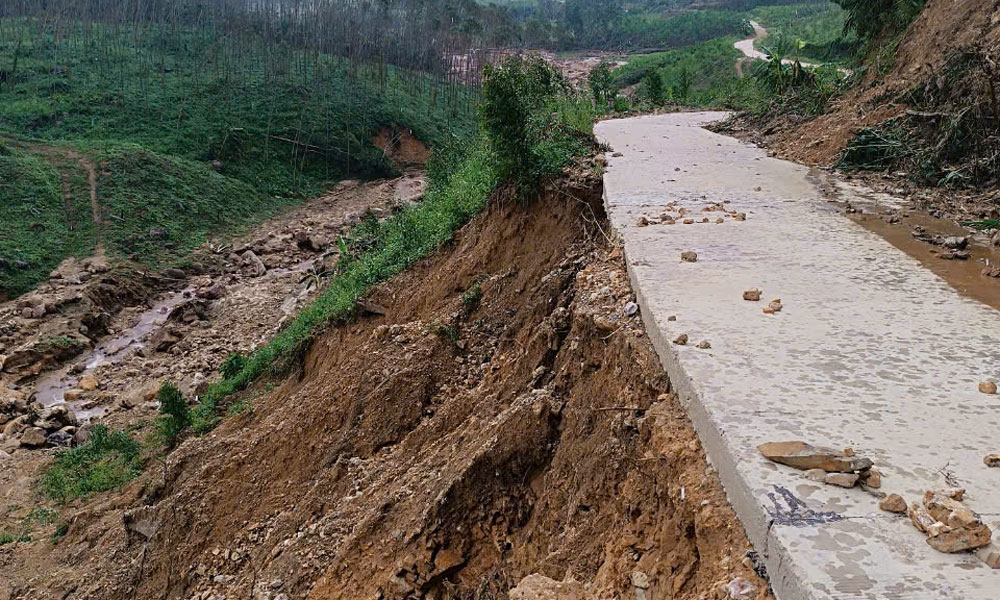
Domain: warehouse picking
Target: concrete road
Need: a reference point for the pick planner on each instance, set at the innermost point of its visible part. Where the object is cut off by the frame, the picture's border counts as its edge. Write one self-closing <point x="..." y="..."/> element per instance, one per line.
<point x="871" y="351"/>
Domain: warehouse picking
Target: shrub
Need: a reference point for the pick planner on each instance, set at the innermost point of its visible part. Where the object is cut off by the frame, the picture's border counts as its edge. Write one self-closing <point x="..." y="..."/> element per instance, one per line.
<point x="233" y="365"/>
<point x="176" y="415"/>
<point x="602" y="85"/>
<point x="108" y="460"/>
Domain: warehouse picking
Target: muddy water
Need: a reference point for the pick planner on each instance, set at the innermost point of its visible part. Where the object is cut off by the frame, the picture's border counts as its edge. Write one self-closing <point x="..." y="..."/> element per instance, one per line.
<point x="51" y="387"/>
<point x="963" y="275"/>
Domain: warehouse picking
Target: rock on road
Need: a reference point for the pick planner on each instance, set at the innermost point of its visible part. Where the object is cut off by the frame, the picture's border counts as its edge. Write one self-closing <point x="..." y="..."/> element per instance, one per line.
<point x="870" y="351"/>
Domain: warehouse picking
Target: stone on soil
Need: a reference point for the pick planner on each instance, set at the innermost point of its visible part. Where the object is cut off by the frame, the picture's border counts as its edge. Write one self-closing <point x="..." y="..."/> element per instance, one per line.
<point x="88" y="383"/>
<point x="33" y="437"/>
<point x="992" y="460"/>
<point x="805" y="456"/>
<point x="988" y="387"/>
<point x="681" y="340"/>
<point x="752" y="295"/>
<point x="689" y="256"/>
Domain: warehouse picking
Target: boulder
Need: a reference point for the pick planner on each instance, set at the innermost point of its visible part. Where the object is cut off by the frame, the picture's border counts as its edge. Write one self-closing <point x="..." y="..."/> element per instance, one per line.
<point x="33" y="437"/>
<point x="88" y="383"/>
<point x="804" y="456"/>
<point x="164" y="339"/>
<point x="893" y="503"/>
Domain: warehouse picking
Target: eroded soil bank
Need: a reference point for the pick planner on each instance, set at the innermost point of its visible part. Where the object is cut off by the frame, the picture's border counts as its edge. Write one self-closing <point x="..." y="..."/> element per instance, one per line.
<point x="504" y="417"/>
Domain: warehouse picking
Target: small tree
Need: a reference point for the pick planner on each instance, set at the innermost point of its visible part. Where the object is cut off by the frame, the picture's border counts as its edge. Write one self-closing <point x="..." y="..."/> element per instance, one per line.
<point x="602" y="85"/>
<point x="175" y="414"/>
<point x="652" y="85"/>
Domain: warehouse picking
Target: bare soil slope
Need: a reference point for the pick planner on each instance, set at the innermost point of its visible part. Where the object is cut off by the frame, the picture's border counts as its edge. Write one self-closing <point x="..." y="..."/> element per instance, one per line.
<point x="446" y="449"/>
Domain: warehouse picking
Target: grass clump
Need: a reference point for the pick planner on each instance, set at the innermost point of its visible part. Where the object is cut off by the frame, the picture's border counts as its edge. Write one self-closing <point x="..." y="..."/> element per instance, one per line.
<point x="107" y="461"/>
<point x="11" y="538"/>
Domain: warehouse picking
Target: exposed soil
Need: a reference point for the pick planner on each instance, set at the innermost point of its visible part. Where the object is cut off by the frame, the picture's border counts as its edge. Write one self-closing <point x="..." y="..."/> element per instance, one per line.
<point x="446" y="449"/>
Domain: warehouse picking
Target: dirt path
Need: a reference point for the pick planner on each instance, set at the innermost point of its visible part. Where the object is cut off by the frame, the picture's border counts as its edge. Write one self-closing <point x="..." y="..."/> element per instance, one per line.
<point x="95" y="207"/>
<point x="862" y="354"/>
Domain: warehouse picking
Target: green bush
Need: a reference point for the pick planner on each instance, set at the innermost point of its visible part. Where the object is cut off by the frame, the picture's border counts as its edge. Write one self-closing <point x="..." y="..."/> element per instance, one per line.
<point x="235" y="363"/>
<point x="176" y="415"/>
<point x="108" y="460"/>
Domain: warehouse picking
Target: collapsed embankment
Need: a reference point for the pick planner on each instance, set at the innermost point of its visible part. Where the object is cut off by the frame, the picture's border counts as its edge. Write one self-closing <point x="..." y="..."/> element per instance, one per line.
<point x="503" y="417"/>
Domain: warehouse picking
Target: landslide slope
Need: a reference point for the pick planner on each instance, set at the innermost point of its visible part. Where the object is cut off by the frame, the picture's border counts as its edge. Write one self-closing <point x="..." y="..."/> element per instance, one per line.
<point x="503" y="417"/>
<point x="943" y="29"/>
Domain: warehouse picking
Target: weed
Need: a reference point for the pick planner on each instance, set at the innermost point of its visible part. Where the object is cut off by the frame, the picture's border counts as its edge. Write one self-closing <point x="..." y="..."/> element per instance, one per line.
<point x="11" y="538"/>
<point x="472" y="296"/>
<point x="61" y="530"/>
<point x="234" y="363"/>
<point x="108" y="460"/>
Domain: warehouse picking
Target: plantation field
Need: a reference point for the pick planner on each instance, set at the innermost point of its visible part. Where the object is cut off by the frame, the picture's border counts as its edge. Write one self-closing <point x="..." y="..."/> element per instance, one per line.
<point x="192" y="137"/>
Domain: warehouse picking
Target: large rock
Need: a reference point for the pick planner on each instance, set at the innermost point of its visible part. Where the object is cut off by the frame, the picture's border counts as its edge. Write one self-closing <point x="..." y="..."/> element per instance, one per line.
<point x="804" y="456"/>
<point x="33" y="437"/>
<point x="540" y="587"/>
<point x="88" y="383"/>
<point x="164" y="339"/>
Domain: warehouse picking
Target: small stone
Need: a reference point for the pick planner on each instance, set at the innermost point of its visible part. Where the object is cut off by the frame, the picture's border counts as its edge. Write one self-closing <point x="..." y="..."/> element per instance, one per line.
<point x="720" y="221"/>
<point x="893" y="503"/>
<point x="919" y="516"/>
<point x="992" y="461"/>
<point x="844" y="480"/>
<point x="752" y="295"/>
<point x="741" y="589"/>
<point x="818" y="475"/>
<point x="704" y="345"/>
<point x="871" y="478"/>
<point x="740" y="217"/>
<point x="768" y="310"/>
<point x="848" y="451"/>
<point x="704" y="219"/>
<point x="642" y="222"/>
<point x="672" y="318"/>
<point x="689" y="256"/>
<point x="955" y="242"/>
<point x="681" y="340"/>
<point x="631" y="308"/>
<point x="688" y="221"/>
<point x="775" y="305"/>
<point x="988" y="387"/>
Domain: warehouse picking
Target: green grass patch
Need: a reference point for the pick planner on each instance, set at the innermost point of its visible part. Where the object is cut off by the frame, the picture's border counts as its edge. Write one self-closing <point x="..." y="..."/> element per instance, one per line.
<point x="819" y="28"/>
<point x="695" y="76"/>
<point x="40" y="228"/>
<point x="11" y="538"/>
<point x="107" y="461"/>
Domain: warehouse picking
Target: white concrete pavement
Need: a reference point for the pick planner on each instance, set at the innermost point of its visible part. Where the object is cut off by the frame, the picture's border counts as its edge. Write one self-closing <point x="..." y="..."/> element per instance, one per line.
<point x="871" y="351"/>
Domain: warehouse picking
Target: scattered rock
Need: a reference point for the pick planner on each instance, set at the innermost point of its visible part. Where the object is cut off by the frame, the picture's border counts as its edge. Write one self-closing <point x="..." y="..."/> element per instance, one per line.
<point x="688" y="221"/>
<point x="775" y="305"/>
<point x="844" y="480"/>
<point x="33" y="437"/>
<point x="681" y="340"/>
<point x="741" y="589"/>
<point x="804" y="456"/>
<point x="88" y="383"/>
<point x="672" y="318"/>
<point x="960" y="528"/>
<point x="256" y="264"/>
<point x="752" y="295"/>
<point x="631" y="308"/>
<point x="988" y="387"/>
<point x="704" y="345"/>
<point x="540" y="587"/>
<point x="164" y="339"/>
<point x="992" y="460"/>
<point x="818" y="475"/>
<point x="955" y="242"/>
<point x="740" y="217"/>
<point x="689" y="256"/>
<point x="893" y="503"/>
<point x="871" y="478"/>
<point x="990" y="556"/>
<point x="642" y="222"/>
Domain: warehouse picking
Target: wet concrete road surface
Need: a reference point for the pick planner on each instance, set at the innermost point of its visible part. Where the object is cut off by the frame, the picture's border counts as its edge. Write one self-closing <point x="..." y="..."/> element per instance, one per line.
<point x="872" y="351"/>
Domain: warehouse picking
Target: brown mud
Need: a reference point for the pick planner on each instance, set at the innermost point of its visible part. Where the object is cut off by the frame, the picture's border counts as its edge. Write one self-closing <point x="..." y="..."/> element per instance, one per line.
<point x="449" y="448"/>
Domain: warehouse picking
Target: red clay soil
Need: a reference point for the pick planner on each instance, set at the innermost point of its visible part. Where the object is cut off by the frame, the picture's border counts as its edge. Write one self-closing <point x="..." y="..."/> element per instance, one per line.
<point x="446" y="449"/>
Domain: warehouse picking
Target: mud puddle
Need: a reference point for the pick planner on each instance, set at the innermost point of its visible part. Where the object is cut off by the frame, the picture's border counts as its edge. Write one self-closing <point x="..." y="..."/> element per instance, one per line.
<point x="895" y="221"/>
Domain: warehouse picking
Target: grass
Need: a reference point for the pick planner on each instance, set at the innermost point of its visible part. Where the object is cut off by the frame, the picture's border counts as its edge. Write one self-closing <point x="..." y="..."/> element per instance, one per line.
<point x="157" y="115"/>
<point x="710" y="66"/>
<point x="820" y="27"/>
<point x="40" y="229"/>
<point x="107" y="461"/>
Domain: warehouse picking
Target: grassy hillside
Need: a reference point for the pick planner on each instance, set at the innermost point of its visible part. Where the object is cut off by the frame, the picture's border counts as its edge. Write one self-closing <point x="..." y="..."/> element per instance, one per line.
<point x="193" y="135"/>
